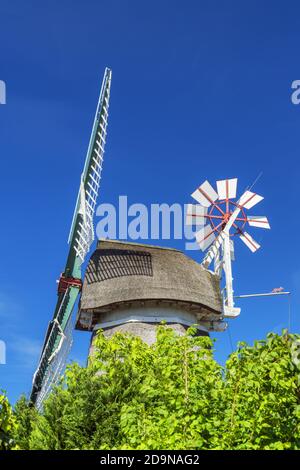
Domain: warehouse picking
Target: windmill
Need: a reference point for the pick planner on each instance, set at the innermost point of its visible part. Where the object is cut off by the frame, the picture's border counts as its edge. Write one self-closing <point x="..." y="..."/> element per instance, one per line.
<point x="58" y="337"/>
<point x="221" y="218"/>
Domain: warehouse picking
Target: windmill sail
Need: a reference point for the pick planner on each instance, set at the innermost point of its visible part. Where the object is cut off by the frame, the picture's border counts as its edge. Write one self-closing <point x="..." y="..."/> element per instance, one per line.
<point x="225" y="218"/>
<point x="58" y="338"/>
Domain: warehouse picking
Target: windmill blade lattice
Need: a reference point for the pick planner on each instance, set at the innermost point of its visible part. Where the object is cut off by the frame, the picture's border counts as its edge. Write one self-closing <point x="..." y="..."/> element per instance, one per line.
<point x="219" y="217"/>
<point x="215" y="208"/>
<point x="58" y="338"/>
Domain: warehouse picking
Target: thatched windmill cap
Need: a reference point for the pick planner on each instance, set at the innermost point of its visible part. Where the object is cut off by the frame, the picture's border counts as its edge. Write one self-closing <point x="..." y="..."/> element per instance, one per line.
<point x="123" y="275"/>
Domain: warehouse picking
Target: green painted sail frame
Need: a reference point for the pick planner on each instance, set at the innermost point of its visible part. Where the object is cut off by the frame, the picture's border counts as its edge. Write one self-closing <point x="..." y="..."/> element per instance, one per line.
<point x="80" y="238"/>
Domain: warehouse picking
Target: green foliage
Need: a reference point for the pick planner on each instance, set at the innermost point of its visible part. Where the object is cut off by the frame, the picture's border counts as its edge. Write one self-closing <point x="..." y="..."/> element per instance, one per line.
<point x="171" y="395"/>
<point x="262" y="395"/>
<point x="25" y="415"/>
<point x="7" y="424"/>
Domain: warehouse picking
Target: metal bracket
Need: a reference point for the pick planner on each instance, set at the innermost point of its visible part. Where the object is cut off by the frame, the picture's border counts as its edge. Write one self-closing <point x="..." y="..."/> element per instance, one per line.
<point x="221" y="253"/>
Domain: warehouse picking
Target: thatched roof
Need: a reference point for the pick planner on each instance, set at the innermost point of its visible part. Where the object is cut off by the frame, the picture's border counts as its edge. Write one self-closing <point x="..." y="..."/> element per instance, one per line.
<point x="121" y="274"/>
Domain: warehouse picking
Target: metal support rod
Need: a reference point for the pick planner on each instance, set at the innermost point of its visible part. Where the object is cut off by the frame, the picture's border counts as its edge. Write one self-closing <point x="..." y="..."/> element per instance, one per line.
<point x="267" y="294"/>
<point x="228" y="271"/>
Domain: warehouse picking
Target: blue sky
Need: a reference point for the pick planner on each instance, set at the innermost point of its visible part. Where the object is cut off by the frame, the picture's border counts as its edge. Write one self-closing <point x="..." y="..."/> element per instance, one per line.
<point x="200" y="90"/>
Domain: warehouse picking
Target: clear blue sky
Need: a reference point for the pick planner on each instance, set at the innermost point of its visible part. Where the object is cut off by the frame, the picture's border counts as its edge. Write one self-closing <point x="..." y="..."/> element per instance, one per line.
<point x="201" y="90"/>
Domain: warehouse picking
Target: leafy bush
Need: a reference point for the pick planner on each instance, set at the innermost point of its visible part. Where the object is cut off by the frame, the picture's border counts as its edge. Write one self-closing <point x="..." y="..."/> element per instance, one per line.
<point x="171" y="395"/>
<point x="7" y="424"/>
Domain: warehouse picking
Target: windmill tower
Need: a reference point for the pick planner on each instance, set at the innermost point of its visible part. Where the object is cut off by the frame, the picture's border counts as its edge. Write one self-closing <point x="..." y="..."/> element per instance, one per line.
<point x="132" y="287"/>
